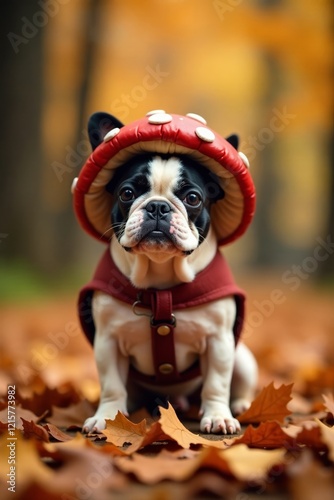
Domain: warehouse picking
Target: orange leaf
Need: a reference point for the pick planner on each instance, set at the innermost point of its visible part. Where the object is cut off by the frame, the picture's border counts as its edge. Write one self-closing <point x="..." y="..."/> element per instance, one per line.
<point x="56" y="433"/>
<point x="267" y="435"/>
<point x="177" y="466"/>
<point x="121" y="430"/>
<point x="238" y="461"/>
<point x="32" y="430"/>
<point x="270" y="404"/>
<point x="172" y="426"/>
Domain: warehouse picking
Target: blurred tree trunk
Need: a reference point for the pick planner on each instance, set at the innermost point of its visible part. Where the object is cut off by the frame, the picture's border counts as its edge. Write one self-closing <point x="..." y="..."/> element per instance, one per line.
<point x="21" y="101"/>
<point x="29" y="231"/>
<point x="326" y="267"/>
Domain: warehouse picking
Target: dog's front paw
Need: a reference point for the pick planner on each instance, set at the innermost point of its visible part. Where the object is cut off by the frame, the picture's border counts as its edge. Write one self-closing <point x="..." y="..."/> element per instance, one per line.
<point x="219" y="420"/>
<point x="107" y="411"/>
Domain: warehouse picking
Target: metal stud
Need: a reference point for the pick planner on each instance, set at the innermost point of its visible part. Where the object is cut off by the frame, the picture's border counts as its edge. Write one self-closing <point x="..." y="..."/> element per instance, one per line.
<point x="166" y="368"/>
<point x="163" y="330"/>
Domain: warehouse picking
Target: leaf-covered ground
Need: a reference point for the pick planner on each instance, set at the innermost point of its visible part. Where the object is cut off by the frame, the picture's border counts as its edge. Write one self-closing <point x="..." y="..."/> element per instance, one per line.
<point x="286" y="449"/>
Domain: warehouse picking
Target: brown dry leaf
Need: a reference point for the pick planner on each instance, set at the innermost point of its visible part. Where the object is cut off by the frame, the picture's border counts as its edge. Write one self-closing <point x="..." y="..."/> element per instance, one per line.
<point x="74" y="414"/>
<point x="239" y="461"/>
<point x="311" y="437"/>
<point x="176" y="466"/>
<point x="172" y="426"/>
<point x="327" y="434"/>
<point x="152" y="435"/>
<point x="270" y="404"/>
<point x="44" y="400"/>
<point x="329" y="403"/>
<point x="32" y="430"/>
<point x="121" y="430"/>
<point x="267" y="435"/>
<point x="56" y="433"/>
<point x="249" y="464"/>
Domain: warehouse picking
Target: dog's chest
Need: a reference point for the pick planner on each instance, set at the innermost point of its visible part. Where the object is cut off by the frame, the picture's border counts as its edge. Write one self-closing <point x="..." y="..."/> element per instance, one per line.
<point x="133" y="332"/>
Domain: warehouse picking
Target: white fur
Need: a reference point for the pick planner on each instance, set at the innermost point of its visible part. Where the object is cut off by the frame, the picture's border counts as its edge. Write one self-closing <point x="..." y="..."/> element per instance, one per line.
<point x="204" y="332"/>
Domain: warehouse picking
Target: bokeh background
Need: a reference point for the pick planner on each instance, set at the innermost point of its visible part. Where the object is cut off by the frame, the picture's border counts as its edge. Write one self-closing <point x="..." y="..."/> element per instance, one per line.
<point x="259" y="68"/>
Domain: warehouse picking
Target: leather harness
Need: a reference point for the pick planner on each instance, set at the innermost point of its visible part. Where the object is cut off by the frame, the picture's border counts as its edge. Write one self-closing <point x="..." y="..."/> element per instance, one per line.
<point x="214" y="282"/>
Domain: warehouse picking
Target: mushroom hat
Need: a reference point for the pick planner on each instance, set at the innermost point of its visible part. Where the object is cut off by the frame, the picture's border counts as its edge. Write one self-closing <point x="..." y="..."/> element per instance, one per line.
<point x="114" y="144"/>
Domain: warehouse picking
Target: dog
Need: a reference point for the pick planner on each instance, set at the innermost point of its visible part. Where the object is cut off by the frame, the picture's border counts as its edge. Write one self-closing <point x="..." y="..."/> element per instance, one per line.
<point x="163" y="244"/>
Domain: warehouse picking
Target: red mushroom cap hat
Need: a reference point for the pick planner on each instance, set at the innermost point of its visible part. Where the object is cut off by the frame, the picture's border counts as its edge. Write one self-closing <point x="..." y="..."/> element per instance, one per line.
<point x="160" y="132"/>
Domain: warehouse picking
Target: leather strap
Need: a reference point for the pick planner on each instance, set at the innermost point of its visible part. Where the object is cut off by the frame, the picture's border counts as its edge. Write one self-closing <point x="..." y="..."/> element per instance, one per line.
<point x="162" y="337"/>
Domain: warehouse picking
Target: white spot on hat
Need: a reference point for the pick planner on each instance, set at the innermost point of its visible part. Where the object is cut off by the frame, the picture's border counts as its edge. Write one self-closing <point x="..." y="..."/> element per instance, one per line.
<point x="74" y="183"/>
<point x="199" y="118"/>
<point x="111" y="134"/>
<point x="155" y="111"/>
<point x="205" y="134"/>
<point x="160" y="118"/>
<point x="244" y="159"/>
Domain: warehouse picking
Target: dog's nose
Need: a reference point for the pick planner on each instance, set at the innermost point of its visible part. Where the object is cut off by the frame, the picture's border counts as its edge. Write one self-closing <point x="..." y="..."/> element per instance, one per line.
<point x="158" y="209"/>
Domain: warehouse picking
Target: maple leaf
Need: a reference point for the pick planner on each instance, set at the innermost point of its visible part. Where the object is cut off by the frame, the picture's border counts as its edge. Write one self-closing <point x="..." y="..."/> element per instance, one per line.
<point x="32" y="430"/>
<point x="172" y="426"/>
<point x="56" y="433"/>
<point x="270" y="404"/>
<point x="267" y="435"/>
<point x="120" y="430"/>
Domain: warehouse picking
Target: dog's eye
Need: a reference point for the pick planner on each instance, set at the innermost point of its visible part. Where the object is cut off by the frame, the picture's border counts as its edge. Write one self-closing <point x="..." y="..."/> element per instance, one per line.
<point x="127" y="194"/>
<point x="192" y="199"/>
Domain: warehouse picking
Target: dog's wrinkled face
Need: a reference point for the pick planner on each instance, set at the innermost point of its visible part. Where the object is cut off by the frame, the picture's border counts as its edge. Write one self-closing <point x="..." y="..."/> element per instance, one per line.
<point x="162" y="204"/>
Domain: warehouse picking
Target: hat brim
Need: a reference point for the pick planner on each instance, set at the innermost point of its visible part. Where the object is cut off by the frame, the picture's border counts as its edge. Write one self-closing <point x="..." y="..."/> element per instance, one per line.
<point x="230" y="216"/>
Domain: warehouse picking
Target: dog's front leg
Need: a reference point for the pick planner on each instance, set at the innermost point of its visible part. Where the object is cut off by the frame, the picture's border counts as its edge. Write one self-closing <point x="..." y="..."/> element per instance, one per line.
<point x="112" y="368"/>
<point x="217" y="367"/>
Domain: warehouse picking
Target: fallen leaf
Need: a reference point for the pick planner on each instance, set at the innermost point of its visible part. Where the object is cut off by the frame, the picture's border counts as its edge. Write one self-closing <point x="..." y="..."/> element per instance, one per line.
<point x="120" y="431"/>
<point x="73" y="414"/>
<point x="249" y="464"/>
<point x="56" y="433"/>
<point x="270" y="404"/>
<point x="172" y="426"/>
<point x="267" y="435"/>
<point x="32" y="430"/>
<point x="43" y="401"/>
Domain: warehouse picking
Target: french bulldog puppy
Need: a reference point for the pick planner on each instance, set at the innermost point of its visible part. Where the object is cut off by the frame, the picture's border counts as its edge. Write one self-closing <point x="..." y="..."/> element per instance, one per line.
<point x="162" y="238"/>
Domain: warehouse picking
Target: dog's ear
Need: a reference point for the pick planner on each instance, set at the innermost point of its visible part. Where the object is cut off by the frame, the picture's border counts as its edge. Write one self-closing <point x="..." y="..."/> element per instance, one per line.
<point x="233" y="140"/>
<point x="99" y="124"/>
